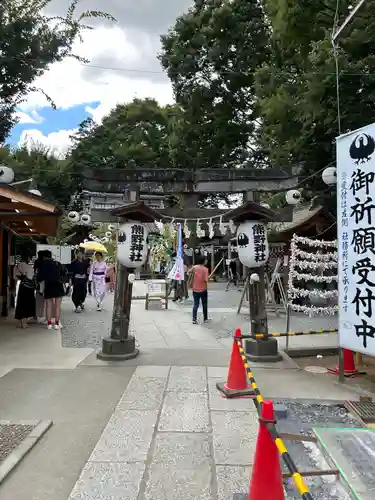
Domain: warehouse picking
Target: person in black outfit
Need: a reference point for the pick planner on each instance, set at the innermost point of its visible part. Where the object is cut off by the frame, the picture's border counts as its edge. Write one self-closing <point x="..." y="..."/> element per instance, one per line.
<point x="233" y="274"/>
<point x="25" y="305"/>
<point x="79" y="271"/>
<point x="89" y="284"/>
<point x="52" y="273"/>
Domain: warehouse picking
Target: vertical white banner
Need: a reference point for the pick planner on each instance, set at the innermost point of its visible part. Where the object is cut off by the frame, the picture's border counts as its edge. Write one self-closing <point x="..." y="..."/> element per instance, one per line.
<point x="356" y="239"/>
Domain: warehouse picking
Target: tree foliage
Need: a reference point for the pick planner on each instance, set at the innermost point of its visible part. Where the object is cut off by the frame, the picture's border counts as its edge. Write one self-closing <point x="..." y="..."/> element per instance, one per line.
<point x="29" y="43"/>
<point x="296" y="87"/>
<point x="140" y="134"/>
<point x="50" y="175"/>
<point x="210" y="56"/>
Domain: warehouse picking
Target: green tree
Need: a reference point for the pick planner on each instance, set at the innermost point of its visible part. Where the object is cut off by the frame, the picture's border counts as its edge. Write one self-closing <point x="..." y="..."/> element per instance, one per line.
<point x="140" y="134"/>
<point x="51" y="175"/>
<point x="210" y="55"/>
<point x="29" y="43"/>
<point x="296" y="88"/>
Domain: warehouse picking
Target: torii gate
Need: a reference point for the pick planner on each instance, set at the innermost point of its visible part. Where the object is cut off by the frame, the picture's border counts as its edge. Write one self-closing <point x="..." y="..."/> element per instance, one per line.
<point x="194" y="184"/>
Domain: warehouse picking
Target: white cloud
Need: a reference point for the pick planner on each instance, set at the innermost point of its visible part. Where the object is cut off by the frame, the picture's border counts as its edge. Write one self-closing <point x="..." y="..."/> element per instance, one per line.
<point x="71" y="83"/>
<point x="123" y="64"/>
<point x="32" y="117"/>
<point x="57" y="142"/>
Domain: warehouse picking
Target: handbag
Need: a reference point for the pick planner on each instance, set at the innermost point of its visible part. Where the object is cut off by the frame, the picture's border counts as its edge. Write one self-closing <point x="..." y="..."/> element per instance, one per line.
<point x="28" y="283"/>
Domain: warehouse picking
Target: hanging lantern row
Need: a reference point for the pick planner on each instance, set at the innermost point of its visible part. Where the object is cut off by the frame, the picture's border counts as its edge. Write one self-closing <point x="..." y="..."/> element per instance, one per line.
<point x="75" y="218"/>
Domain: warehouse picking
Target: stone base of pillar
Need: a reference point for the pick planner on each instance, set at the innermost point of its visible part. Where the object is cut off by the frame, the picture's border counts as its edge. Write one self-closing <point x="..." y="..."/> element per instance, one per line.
<point x="118" y="350"/>
<point x="262" y="350"/>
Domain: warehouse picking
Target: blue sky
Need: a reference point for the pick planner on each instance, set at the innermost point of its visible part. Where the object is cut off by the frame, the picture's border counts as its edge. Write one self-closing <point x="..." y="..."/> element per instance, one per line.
<point x="54" y="120"/>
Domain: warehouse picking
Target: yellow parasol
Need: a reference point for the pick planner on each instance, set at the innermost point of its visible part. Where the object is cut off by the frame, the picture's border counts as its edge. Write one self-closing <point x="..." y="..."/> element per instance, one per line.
<point x="94" y="246"/>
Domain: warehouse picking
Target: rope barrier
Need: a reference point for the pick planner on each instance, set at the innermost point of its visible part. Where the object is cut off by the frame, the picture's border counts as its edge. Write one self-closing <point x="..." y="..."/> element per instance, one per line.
<point x="287" y="334"/>
<point x="258" y="401"/>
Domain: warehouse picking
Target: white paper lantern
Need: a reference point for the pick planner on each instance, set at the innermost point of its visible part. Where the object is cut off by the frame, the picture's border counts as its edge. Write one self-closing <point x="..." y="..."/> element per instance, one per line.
<point x="293" y="197"/>
<point x="111" y="227"/>
<point x="252" y="244"/>
<point x="73" y="216"/>
<point x="6" y="175"/>
<point x="329" y="176"/>
<point x="254" y="278"/>
<point x="36" y="192"/>
<point x="85" y="219"/>
<point x="132" y="245"/>
<point x="108" y="234"/>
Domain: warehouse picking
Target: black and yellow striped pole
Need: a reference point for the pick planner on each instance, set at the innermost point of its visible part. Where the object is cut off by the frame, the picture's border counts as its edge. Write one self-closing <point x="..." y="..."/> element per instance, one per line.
<point x="288" y="334"/>
<point x="271" y="427"/>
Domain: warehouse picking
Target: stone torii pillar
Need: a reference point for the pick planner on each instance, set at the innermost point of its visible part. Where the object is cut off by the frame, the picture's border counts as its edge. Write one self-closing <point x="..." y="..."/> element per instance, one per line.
<point x="263" y="349"/>
<point x="120" y="345"/>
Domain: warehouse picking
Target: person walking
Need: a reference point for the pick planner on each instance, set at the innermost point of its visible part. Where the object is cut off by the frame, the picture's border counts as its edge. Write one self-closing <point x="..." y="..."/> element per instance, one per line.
<point x="78" y="269"/>
<point x="52" y="273"/>
<point x="89" y="283"/>
<point x="25" y="304"/>
<point x="40" y="303"/>
<point x="233" y="274"/>
<point x="111" y="277"/>
<point x="97" y="276"/>
<point x="199" y="281"/>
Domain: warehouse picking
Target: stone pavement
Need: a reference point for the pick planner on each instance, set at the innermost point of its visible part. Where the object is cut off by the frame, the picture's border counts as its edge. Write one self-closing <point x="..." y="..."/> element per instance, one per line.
<point x="173" y="436"/>
<point x="223" y="306"/>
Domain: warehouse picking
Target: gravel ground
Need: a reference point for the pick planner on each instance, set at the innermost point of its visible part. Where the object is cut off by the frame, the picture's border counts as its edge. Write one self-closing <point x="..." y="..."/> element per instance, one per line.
<point x="11" y="435"/>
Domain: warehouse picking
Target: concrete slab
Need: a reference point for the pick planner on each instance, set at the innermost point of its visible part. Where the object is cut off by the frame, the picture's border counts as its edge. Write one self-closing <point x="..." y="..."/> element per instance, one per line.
<point x="187" y="379"/>
<point x="232" y="480"/>
<point x="80" y="403"/>
<point x="164" y="357"/>
<point x="182" y="451"/>
<point x="152" y="372"/>
<point x="41" y="349"/>
<point x="143" y="394"/>
<point x="234" y="437"/>
<point x="290" y="384"/>
<point x="114" y="481"/>
<point x="126" y="438"/>
<point x="170" y="484"/>
<point x="184" y="412"/>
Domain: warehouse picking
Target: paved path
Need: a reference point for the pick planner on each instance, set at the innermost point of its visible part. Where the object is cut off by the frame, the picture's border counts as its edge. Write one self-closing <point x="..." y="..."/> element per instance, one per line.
<point x="173" y="436"/>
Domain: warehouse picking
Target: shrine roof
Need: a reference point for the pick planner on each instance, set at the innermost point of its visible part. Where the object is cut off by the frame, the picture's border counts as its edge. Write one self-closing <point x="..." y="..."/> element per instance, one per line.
<point x="251" y="211"/>
<point x="301" y="216"/>
<point x="138" y="211"/>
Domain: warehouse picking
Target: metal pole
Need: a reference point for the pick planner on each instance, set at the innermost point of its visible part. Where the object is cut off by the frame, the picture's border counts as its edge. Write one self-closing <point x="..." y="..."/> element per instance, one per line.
<point x="338" y="32"/>
<point x="287" y="327"/>
<point x="341" y="366"/>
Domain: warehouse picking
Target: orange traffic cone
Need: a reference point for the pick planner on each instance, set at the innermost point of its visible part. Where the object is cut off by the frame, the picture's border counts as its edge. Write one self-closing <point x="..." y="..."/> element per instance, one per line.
<point x="266" y="480"/>
<point x="349" y="365"/>
<point x="237" y="384"/>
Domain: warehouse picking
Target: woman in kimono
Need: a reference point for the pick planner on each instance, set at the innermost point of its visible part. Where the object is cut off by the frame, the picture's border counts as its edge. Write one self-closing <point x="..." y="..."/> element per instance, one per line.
<point x="78" y="270"/>
<point x="98" y="273"/>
